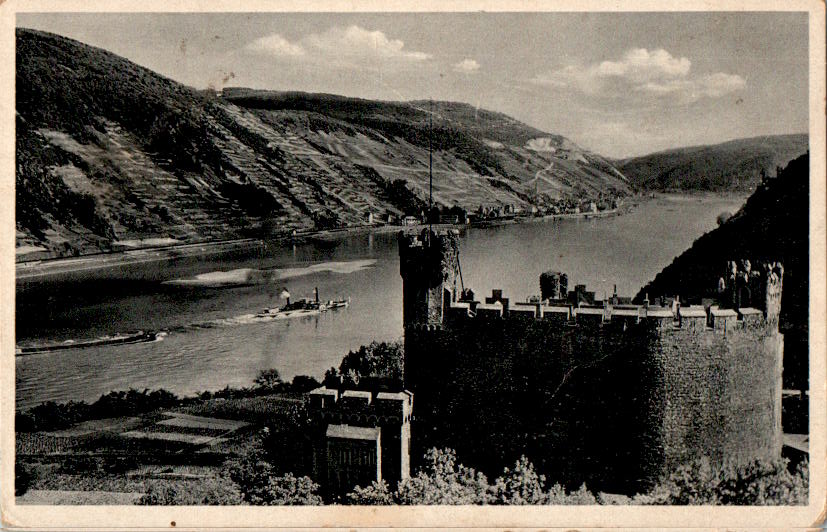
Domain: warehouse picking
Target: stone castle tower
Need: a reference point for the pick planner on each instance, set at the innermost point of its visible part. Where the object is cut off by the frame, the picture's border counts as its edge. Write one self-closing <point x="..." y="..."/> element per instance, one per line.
<point x="429" y="266"/>
<point x="591" y="390"/>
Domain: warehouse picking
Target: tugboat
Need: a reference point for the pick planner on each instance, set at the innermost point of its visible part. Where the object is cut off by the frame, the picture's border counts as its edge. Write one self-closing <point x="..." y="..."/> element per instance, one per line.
<point x="302" y="307"/>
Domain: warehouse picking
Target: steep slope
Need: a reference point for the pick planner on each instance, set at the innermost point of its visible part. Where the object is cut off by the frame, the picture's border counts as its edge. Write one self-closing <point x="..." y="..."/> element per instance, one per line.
<point x="111" y="154"/>
<point x="736" y="165"/>
<point x="480" y="156"/>
<point x="108" y="151"/>
<point x="772" y="225"/>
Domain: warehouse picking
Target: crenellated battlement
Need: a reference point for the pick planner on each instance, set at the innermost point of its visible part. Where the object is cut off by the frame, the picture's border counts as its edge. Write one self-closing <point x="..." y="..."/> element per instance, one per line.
<point x="361" y="408"/>
<point x="431" y="256"/>
<point x="579" y="308"/>
<point x="746" y="286"/>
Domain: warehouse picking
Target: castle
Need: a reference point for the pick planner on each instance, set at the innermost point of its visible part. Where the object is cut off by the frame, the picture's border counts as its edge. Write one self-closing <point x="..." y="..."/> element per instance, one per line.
<point x="607" y="392"/>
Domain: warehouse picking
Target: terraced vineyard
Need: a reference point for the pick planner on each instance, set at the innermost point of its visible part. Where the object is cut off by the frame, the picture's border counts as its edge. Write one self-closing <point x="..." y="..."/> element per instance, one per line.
<point x="110" y="153"/>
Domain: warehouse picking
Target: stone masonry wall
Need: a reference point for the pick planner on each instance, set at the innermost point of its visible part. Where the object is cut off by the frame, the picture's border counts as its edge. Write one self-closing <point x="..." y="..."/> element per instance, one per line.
<point x="614" y="404"/>
<point x="721" y="394"/>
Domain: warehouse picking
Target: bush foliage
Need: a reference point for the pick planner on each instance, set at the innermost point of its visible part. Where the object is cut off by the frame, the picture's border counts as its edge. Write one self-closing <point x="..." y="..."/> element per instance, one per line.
<point x="379" y="360"/>
<point x="756" y="484"/>
<point x="443" y="481"/>
<point x="260" y="484"/>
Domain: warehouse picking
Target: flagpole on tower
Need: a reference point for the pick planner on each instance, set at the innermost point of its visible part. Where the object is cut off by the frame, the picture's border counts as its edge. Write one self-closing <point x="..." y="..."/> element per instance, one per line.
<point x="430" y="166"/>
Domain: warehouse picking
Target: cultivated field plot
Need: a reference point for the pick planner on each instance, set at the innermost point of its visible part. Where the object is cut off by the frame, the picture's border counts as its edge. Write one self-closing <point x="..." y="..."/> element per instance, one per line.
<point x="250" y="409"/>
<point x="170" y="436"/>
<point x="186" y="428"/>
<point x="74" y="497"/>
<point x="41" y="443"/>
<point x="197" y="422"/>
<point x="95" y="426"/>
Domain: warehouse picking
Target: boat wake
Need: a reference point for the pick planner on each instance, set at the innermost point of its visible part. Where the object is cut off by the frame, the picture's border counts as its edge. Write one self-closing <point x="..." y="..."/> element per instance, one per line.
<point x="265" y="316"/>
<point x="252" y="276"/>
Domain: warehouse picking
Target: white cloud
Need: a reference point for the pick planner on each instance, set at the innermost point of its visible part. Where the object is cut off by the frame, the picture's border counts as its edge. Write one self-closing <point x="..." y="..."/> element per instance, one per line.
<point x="640" y="64"/>
<point x="339" y="45"/>
<point x="466" y="65"/>
<point x="357" y="41"/>
<point x="639" y="71"/>
<point x="276" y="45"/>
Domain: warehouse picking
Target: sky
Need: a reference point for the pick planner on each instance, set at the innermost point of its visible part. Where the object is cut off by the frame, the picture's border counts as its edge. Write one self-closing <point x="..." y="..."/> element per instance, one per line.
<point x="620" y="84"/>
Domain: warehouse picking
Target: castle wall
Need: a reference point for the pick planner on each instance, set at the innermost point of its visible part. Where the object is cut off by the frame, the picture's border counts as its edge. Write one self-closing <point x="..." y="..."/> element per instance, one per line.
<point x="614" y="395"/>
<point x="495" y="388"/>
<point x="596" y="400"/>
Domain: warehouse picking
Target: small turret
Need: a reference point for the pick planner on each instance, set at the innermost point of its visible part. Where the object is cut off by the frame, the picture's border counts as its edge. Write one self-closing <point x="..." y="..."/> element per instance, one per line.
<point x="756" y="286"/>
<point x="553" y="285"/>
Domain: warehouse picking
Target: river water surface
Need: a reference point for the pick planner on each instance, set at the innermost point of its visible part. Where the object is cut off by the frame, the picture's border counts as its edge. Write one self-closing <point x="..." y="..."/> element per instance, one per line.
<point x="206" y="303"/>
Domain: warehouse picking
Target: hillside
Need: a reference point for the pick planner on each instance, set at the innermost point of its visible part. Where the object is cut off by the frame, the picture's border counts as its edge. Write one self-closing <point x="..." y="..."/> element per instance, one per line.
<point x="730" y="166"/>
<point x="772" y="225"/>
<point x="112" y="155"/>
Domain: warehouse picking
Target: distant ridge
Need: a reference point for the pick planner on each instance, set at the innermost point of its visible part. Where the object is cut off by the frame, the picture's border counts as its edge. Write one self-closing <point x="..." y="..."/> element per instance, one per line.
<point x="109" y="152"/>
<point x="735" y="165"/>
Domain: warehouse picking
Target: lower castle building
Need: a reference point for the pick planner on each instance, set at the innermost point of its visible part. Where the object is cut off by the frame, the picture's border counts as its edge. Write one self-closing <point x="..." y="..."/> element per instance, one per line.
<point x="361" y="437"/>
<point x="604" y="392"/>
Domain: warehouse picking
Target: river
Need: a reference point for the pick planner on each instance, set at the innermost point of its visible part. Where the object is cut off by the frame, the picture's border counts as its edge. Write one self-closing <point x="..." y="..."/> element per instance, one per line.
<point x="203" y="301"/>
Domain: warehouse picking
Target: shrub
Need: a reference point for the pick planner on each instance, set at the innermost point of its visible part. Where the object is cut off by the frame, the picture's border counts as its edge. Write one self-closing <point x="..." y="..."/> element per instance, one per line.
<point x="259" y="484"/>
<point x="81" y="465"/>
<point x="756" y="483"/>
<point x="210" y="492"/>
<point x="24" y="477"/>
<point x="520" y="485"/>
<point x="269" y="379"/>
<point x="50" y="416"/>
<point x="444" y="481"/>
<point x="377" y="494"/>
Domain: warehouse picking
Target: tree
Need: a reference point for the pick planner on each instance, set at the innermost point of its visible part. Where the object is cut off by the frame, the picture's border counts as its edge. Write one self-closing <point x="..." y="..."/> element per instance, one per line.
<point x="303" y="383"/>
<point x="443" y="481"/>
<point x="379" y="359"/>
<point x="520" y="485"/>
<point x="259" y="485"/>
<point x="756" y="483"/>
<point x="269" y="379"/>
<point x="723" y="217"/>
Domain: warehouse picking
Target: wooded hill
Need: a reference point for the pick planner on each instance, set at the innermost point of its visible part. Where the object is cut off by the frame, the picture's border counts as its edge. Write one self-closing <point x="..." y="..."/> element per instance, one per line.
<point x="736" y="165"/>
<point x="110" y="152"/>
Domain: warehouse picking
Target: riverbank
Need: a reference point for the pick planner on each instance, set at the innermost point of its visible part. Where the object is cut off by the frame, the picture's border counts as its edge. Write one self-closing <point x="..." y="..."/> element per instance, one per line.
<point x="37" y="269"/>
